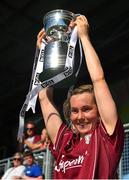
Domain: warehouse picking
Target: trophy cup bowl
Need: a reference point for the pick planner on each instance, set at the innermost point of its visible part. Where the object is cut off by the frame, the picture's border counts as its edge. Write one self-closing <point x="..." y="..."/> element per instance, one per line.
<point x="56" y="24"/>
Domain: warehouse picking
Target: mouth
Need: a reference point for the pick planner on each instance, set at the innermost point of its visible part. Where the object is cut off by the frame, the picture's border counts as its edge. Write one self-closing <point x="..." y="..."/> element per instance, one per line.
<point x="82" y="124"/>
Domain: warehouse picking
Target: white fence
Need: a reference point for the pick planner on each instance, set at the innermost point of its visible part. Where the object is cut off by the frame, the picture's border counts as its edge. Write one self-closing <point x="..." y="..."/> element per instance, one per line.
<point x="41" y="157"/>
<point x="124" y="163"/>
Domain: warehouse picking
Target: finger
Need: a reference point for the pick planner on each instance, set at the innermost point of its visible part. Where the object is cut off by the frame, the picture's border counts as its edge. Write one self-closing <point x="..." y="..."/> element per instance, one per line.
<point x="72" y="24"/>
<point x="41" y="33"/>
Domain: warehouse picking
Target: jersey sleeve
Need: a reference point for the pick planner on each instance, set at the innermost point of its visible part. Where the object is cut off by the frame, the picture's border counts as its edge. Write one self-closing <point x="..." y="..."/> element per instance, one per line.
<point x="118" y="131"/>
<point x="114" y="143"/>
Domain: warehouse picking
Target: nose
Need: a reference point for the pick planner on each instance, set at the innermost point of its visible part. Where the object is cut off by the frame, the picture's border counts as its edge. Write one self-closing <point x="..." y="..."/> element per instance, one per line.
<point x="80" y="115"/>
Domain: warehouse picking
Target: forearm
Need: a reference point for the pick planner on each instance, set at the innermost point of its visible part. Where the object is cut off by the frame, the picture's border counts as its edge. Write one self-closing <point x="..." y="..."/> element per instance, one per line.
<point x="92" y="60"/>
<point x="47" y="105"/>
<point x="31" y="178"/>
<point x="91" y="57"/>
<point x="17" y="177"/>
<point x="50" y="114"/>
<point x="32" y="145"/>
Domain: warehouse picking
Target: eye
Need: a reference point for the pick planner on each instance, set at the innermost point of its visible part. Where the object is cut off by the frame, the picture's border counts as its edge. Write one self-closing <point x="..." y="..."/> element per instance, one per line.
<point x="74" y="110"/>
<point x="86" y="109"/>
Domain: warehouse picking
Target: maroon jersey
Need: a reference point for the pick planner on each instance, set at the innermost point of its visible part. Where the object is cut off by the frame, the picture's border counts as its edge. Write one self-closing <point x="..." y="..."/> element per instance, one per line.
<point x="96" y="156"/>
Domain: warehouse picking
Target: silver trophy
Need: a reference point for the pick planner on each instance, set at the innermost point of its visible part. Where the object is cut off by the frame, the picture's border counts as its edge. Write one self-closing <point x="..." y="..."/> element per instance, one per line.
<point x="56" y="24"/>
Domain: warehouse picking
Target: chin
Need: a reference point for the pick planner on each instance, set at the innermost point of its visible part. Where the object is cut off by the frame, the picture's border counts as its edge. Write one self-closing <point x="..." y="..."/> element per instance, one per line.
<point x="84" y="131"/>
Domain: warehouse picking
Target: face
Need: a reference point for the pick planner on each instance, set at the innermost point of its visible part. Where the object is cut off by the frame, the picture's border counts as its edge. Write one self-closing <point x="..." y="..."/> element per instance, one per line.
<point x="84" y="113"/>
<point x="30" y="129"/>
<point x="29" y="160"/>
<point x="17" y="161"/>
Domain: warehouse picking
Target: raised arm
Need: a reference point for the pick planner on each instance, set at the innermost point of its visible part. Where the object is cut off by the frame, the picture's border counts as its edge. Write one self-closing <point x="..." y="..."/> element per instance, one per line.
<point x="50" y="114"/>
<point x="105" y="102"/>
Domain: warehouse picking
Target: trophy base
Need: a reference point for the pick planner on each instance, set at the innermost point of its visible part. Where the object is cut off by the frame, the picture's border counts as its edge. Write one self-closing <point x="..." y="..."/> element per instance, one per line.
<point x="50" y="73"/>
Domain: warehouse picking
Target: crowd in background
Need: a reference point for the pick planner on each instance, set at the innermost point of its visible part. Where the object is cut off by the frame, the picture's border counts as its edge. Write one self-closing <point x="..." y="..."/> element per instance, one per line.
<point x="32" y="140"/>
<point x="24" y="164"/>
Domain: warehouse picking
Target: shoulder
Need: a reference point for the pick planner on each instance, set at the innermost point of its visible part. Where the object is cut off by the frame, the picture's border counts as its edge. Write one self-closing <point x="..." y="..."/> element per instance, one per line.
<point x="9" y="169"/>
<point x="21" y="167"/>
<point x="63" y="133"/>
<point x="63" y="136"/>
<point x="36" y="168"/>
<point x="36" y="165"/>
<point x="116" y="139"/>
